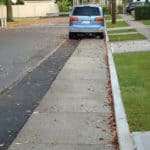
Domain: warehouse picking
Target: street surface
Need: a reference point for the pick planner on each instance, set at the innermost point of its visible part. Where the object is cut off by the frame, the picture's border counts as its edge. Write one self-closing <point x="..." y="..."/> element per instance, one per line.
<point x="22" y="59"/>
<point x="21" y="48"/>
<point x="30" y="59"/>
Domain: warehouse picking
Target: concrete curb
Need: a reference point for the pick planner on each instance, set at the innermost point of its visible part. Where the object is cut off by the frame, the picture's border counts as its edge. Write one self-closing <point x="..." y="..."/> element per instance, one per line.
<point x="124" y="137"/>
<point x="126" y="33"/>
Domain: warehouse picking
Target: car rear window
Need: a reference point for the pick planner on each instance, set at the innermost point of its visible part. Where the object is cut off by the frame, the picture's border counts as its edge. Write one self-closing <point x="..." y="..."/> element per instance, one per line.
<point x="136" y="4"/>
<point x="86" y="11"/>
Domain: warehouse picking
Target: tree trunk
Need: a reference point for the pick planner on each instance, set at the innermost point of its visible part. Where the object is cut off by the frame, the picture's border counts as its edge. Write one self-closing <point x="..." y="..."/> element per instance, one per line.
<point x="110" y="6"/>
<point x="9" y="10"/>
<point x="113" y="11"/>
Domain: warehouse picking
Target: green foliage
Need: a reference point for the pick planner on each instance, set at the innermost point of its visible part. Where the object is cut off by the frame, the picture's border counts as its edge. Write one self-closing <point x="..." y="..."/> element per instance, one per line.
<point x="120" y="9"/>
<point x="142" y="12"/>
<point x="105" y="9"/>
<point x="64" y="5"/>
<point x="2" y="2"/>
<point x="20" y="2"/>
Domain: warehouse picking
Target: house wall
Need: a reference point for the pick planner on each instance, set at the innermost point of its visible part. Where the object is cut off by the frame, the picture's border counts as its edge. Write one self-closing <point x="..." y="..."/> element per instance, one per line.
<point x="31" y="9"/>
<point x="101" y="2"/>
<point x="3" y="11"/>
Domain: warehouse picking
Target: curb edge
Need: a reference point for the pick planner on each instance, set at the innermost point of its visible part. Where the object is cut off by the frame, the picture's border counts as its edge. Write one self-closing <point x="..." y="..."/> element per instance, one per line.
<point x="124" y="137"/>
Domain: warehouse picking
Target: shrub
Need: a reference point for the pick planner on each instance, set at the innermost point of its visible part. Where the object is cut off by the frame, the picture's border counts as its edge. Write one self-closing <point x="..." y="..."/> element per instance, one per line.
<point x="142" y="12"/>
<point x="120" y="9"/>
<point x="64" y="5"/>
<point x="2" y="2"/>
<point x="20" y="2"/>
<point x="105" y="9"/>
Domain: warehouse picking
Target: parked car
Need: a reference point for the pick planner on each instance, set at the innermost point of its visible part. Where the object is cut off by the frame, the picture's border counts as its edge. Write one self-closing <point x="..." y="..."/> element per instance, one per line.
<point x="131" y="6"/>
<point x="86" y="19"/>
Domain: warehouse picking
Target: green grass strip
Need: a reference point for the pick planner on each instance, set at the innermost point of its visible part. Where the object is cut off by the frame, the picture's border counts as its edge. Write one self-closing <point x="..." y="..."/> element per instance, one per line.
<point x="117" y="24"/>
<point x="122" y="31"/>
<point x="133" y="70"/>
<point x="136" y="36"/>
<point x="146" y="22"/>
<point x="108" y="17"/>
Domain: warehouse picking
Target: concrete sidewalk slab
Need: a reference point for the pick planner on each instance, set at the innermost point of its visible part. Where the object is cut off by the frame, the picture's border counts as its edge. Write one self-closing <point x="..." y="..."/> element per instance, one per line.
<point x="74" y="114"/>
<point x="142" y="140"/>
<point x="119" y="28"/>
<point x="129" y="46"/>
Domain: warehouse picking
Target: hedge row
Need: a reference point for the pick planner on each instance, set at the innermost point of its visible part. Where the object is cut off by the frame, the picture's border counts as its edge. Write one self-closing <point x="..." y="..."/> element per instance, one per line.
<point x="2" y="2"/>
<point x="142" y="12"/>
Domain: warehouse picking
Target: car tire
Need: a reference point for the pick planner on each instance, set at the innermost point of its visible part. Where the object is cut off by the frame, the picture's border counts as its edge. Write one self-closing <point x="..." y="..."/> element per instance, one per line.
<point x="102" y="35"/>
<point x="71" y="35"/>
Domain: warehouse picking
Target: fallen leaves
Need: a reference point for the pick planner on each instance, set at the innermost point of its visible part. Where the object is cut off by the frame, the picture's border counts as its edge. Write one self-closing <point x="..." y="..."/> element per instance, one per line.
<point x="111" y="118"/>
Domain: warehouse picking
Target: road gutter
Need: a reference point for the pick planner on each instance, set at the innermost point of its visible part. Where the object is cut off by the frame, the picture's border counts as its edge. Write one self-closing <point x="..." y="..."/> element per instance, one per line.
<point x="124" y="137"/>
<point x="29" y="70"/>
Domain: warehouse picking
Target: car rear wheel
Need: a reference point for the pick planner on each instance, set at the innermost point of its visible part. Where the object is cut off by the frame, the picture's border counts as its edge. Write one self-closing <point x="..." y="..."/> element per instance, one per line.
<point x="102" y="35"/>
<point x="71" y="35"/>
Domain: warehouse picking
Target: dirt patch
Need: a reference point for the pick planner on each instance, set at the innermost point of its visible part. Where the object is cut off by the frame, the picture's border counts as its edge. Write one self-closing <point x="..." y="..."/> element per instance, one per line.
<point x="30" y="21"/>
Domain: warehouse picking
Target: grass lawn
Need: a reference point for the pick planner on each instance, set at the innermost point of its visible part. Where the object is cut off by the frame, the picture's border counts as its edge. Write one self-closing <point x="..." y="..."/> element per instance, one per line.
<point x="117" y="24"/>
<point x="146" y="22"/>
<point x="108" y="17"/>
<point x="133" y="70"/>
<point x="135" y="36"/>
<point x="122" y="31"/>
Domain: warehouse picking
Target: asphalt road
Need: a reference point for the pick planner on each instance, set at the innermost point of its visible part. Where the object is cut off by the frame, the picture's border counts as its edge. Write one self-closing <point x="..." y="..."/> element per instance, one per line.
<point x="21" y="49"/>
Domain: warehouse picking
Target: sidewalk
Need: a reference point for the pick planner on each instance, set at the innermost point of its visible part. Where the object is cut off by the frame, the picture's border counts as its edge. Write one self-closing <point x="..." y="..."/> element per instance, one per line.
<point x="141" y="28"/>
<point x="74" y="114"/>
<point x="133" y="45"/>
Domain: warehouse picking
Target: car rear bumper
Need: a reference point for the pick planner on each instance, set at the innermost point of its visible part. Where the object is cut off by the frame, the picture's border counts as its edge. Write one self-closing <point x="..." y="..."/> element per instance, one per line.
<point x="80" y="29"/>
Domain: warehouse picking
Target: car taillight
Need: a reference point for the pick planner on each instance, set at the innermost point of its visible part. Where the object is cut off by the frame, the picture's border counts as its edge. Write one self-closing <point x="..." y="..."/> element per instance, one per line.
<point x="73" y="19"/>
<point x="99" y="19"/>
